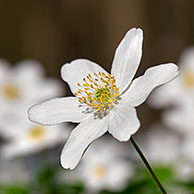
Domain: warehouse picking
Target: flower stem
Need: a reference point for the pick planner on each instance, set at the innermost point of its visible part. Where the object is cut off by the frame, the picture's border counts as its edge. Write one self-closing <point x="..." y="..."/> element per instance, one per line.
<point x="148" y="166"/>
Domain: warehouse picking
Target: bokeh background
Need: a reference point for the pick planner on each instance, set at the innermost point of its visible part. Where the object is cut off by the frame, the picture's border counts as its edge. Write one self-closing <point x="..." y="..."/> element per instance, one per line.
<point x="56" y="32"/>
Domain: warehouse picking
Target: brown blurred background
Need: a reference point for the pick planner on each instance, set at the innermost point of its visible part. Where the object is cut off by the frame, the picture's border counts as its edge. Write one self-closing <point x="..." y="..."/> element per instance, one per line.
<point x="57" y="31"/>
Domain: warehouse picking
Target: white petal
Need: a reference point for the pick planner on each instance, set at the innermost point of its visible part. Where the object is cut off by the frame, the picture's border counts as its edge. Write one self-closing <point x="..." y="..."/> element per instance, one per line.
<point x="57" y="110"/>
<point x="153" y="77"/>
<point x="80" y="139"/>
<point x="75" y="71"/>
<point x="127" y="58"/>
<point x="123" y="122"/>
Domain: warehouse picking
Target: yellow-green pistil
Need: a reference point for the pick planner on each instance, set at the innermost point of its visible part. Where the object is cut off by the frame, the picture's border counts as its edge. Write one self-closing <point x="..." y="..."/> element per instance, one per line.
<point x="103" y="94"/>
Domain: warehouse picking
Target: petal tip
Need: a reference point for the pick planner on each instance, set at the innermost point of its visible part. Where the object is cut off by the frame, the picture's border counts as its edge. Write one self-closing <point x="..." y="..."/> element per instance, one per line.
<point x="65" y="164"/>
<point x="136" y="31"/>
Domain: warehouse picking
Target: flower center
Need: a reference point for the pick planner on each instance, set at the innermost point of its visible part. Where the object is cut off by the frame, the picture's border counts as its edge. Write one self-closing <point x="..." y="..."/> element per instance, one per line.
<point x="98" y="91"/>
<point x="10" y="91"/>
<point x="37" y="133"/>
<point x="99" y="171"/>
<point x="188" y="79"/>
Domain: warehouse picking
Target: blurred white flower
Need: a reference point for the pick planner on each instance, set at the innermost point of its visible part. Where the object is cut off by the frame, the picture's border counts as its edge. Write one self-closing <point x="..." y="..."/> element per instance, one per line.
<point x="160" y="145"/>
<point x="180" y="94"/>
<point x="20" y="86"/>
<point x="104" y="166"/>
<point x="33" y="138"/>
<point x="181" y="90"/>
<point x="103" y="102"/>
<point x="181" y="119"/>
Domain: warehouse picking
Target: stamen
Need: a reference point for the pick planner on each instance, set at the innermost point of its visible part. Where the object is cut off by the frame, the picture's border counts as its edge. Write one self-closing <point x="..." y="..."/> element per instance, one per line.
<point x="98" y="92"/>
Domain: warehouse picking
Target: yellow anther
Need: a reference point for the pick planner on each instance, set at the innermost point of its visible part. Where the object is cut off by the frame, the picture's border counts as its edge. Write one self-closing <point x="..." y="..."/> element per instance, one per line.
<point x="116" y="94"/>
<point x="102" y="105"/>
<point x="99" y="73"/>
<point x="109" y="105"/>
<point x="103" y="80"/>
<point x="79" y="84"/>
<point x="104" y="109"/>
<point x="97" y="108"/>
<point x="91" y="86"/>
<point x="86" y="84"/>
<point x="107" y="95"/>
<point x="115" y="99"/>
<point x="84" y="79"/>
<point x="100" y="99"/>
<point x="109" y="75"/>
<point x="91" y="101"/>
<point x="110" y="101"/>
<point x="117" y="89"/>
<point x="90" y="80"/>
<point x="89" y="75"/>
<point x="95" y="74"/>
<point x="103" y="74"/>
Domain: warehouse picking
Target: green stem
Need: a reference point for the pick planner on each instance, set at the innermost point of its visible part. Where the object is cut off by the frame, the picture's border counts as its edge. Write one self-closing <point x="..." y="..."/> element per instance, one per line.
<point x="148" y="166"/>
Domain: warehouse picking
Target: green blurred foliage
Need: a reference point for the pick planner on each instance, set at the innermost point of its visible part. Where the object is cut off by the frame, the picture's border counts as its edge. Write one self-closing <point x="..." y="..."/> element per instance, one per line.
<point x="46" y="182"/>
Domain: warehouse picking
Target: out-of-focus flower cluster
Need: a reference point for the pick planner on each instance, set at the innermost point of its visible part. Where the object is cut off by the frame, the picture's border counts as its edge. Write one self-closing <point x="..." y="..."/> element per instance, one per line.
<point x="22" y="86"/>
<point x="175" y="140"/>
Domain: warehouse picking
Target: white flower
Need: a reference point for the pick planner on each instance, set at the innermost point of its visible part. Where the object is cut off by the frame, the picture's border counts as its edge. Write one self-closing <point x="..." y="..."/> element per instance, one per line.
<point x="160" y="145"/>
<point x="181" y="90"/>
<point x="104" y="102"/>
<point x="19" y="88"/>
<point x="104" y="167"/>
<point x="33" y="138"/>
